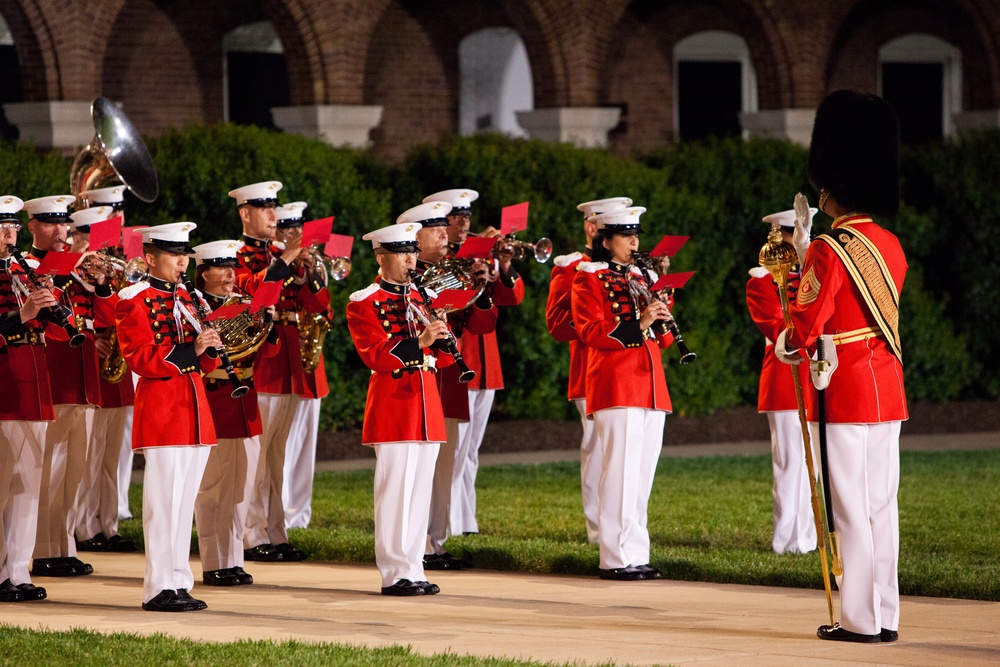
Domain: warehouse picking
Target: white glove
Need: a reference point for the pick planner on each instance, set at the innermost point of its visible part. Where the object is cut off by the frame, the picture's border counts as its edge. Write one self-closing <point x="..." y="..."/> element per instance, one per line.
<point x="784" y="355"/>
<point x="803" y="227"/>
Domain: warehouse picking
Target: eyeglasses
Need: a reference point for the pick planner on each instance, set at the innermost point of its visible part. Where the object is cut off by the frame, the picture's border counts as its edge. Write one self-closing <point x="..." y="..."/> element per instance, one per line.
<point x="10" y="227"/>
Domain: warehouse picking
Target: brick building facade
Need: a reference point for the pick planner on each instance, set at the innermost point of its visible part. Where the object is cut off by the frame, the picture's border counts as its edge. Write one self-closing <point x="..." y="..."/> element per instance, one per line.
<point x="388" y="70"/>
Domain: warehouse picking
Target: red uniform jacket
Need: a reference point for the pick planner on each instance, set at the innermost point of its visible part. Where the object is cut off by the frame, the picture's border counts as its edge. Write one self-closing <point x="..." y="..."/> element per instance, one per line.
<point x="559" y="320"/>
<point x="776" y="390"/>
<point x="24" y="388"/>
<point x="157" y="340"/>
<point x="867" y="386"/>
<point x="624" y="368"/>
<point x="117" y="394"/>
<point x="236" y="418"/>
<point x="282" y="373"/>
<point x="403" y="403"/>
<point x="73" y="372"/>
<point x="480" y="350"/>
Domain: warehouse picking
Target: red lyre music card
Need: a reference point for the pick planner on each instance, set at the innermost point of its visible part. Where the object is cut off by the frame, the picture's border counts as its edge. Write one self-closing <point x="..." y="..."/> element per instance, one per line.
<point x="106" y="234"/>
<point x="339" y="245"/>
<point x="668" y="245"/>
<point x="674" y="280"/>
<point x="316" y="231"/>
<point x="453" y="299"/>
<point x="132" y="241"/>
<point x="514" y="218"/>
<point x="476" y="247"/>
<point x="227" y="312"/>
<point x="266" y="296"/>
<point x="58" y="263"/>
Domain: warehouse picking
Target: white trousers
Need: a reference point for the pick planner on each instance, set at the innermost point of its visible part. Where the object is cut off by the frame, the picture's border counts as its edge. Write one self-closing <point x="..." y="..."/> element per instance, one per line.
<point x="21" y="451"/>
<point x="125" y="457"/>
<point x="469" y="439"/>
<point x="590" y="469"/>
<point x="300" y="464"/>
<point x="439" y="521"/>
<point x="794" y="524"/>
<point x="64" y="463"/>
<point x="220" y="510"/>
<point x="631" y="440"/>
<point x="98" y="502"/>
<point x="863" y="462"/>
<point x="403" y="476"/>
<point x="266" y="515"/>
<point x="170" y="485"/>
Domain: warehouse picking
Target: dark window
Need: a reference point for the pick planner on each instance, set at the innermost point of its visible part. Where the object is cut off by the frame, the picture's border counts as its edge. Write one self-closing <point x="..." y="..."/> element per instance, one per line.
<point x="709" y="99"/>
<point x="258" y="82"/>
<point x="916" y="92"/>
<point x="10" y="88"/>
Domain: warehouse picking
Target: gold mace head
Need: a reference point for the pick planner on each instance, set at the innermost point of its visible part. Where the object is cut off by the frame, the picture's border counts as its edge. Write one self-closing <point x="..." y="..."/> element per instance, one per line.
<point x="777" y="256"/>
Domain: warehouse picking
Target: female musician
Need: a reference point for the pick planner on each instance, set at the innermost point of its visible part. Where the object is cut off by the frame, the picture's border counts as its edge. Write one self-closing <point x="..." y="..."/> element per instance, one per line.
<point x="626" y="390"/>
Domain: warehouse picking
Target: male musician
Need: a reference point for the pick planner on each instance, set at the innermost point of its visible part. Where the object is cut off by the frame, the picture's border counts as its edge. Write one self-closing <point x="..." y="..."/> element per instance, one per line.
<point x="794" y="524"/>
<point x="559" y="320"/>
<point x="849" y="294"/>
<point x="97" y="508"/>
<point x="480" y="317"/>
<point x="73" y="373"/>
<point x="394" y="335"/>
<point x="279" y="379"/>
<point x="164" y="343"/>
<point x="300" y="449"/>
<point x="616" y="325"/>
<point x="482" y="354"/>
<point x="228" y="482"/>
<point x="25" y="411"/>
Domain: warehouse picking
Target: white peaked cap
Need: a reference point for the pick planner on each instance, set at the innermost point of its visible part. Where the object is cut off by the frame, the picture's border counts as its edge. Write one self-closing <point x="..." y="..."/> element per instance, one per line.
<point x="216" y="250"/>
<point x="609" y="205"/>
<point x="56" y="204"/>
<point x="9" y="206"/>
<point x="113" y="195"/>
<point x="430" y="210"/>
<point x="459" y="198"/>
<point x="172" y="237"/>
<point x="291" y="211"/>
<point x="89" y="216"/>
<point x="626" y="218"/>
<point x="264" y="192"/>
<point x="787" y="218"/>
<point x="394" y="236"/>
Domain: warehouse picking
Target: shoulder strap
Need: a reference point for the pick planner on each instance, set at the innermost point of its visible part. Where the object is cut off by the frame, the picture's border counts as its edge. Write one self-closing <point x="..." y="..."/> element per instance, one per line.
<point x="868" y="270"/>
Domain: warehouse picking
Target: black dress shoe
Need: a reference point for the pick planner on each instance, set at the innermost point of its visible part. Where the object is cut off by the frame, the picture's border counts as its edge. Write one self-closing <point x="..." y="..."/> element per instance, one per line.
<point x="29" y="591"/>
<point x="470" y="532"/>
<point x="220" y="578"/>
<point x="60" y="567"/>
<point x="290" y="554"/>
<point x="80" y="567"/>
<point x="189" y="603"/>
<point x="164" y="601"/>
<point x="649" y="572"/>
<point x="119" y="544"/>
<point x="96" y="543"/>
<point x="888" y="636"/>
<point x="242" y="576"/>
<point x="443" y="561"/>
<point x="9" y="592"/>
<point x="839" y="634"/>
<point x="403" y="588"/>
<point x="622" y="574"/>
<point x="264" y="553"/>
<point x="429" y="588"/>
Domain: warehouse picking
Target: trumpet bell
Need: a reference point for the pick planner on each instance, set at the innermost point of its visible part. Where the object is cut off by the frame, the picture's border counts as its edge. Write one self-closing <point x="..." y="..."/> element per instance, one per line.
<point x="340" y="268"/>
<point x="135" y="270"/>
<point x="543" y="250"/>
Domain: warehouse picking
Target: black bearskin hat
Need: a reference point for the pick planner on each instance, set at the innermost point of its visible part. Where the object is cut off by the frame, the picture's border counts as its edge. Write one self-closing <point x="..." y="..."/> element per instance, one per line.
<point x="854" y="154"/>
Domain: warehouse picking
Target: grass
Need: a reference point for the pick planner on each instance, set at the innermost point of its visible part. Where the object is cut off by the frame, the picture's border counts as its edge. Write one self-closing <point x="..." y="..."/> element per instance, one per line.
<point x="709" y="520"/>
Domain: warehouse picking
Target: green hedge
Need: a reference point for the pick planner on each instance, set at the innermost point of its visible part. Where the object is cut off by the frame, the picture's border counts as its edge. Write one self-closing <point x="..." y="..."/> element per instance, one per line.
<point x="715" y="192"/>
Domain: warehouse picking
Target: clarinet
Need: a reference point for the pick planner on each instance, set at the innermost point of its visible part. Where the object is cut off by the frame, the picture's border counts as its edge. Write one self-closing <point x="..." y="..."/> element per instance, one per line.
<point x="668" y="325"/>
<point x="239" y="389"/>
<point x="449" y="344"/>
<point x="59" y="314"/>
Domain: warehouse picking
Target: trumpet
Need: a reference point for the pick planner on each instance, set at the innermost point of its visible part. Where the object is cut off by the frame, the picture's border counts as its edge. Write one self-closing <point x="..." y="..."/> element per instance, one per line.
<point x="58" y="315"/>
<point x="668" y="325"/>
<point x="519" y="250"/>
<point x="239" y="389"/>
<point x="450" y="345"/>
<point x="314" y="261"/>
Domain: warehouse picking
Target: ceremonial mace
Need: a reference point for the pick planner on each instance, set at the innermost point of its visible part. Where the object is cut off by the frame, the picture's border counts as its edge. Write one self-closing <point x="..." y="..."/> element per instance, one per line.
<point x="778" y="257"/>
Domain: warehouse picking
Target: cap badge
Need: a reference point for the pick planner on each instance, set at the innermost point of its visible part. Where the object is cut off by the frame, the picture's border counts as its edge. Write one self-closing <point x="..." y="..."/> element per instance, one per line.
<point x="408" y="228"/>
<point x="8" y="200"/>
<point x="272" y="186"/>
<point x="185" y="228"/>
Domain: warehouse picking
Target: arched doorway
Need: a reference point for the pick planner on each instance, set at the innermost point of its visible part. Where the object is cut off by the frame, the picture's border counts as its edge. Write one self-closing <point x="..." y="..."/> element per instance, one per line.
<point x="255" y="78"/>
<point x="920" y="75"/>
<point x="495" y="81"/>
<point x="10" y="80"/>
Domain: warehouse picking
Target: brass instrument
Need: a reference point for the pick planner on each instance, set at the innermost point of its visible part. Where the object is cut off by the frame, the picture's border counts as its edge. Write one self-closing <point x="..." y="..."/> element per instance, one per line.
<point x="245" y="333"/>
<point x="668" y="325"/>
<point x="449" y="344"/>
<point x="201" y="312"/>
<point x="313" y="328"/>
<point x="314" y="261"/>
<point x="541" y="249"/>
<point x="453" y="273"/>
